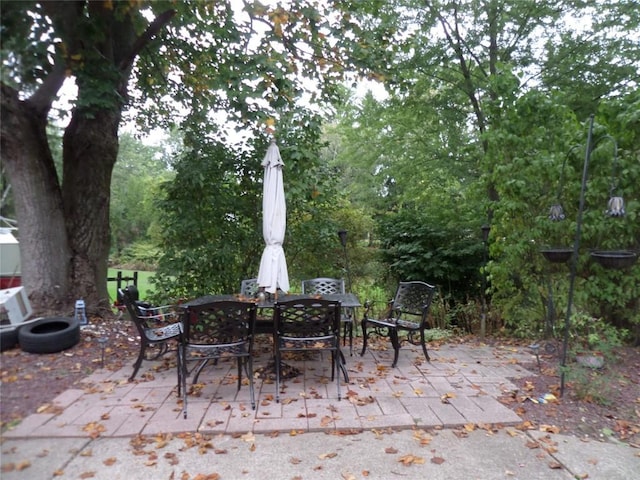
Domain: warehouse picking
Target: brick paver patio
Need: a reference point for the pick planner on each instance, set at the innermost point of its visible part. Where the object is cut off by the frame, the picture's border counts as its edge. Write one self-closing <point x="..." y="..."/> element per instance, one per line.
<point x="460" y="385"/>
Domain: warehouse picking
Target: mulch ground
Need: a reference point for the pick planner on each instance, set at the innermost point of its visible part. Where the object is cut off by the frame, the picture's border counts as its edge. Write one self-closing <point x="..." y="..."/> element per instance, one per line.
<point x="603" y="403"/>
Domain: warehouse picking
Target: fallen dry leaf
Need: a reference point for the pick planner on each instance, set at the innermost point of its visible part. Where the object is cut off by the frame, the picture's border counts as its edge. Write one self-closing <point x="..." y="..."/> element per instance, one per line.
<point x="23" y="465"/>
<point x="445" y="398"/>
<point x="549" y="428"/>
<point x="391" y="450"/>
<point x="210" y="476"/>
<point x="409" y="459"/>
<point x="94" y="429"/>
<point x="323" y="456"/>
<point x="110" y="461"/>
<point x="461" y="433"/>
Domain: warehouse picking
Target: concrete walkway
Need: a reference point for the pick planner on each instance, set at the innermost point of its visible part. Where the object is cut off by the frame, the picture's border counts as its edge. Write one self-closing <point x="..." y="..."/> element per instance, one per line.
<point x="424" y="420"/>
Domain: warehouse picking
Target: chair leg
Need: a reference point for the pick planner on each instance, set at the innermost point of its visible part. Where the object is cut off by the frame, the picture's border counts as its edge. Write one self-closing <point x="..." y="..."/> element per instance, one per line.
<point x="343" y="367"/>
<point x="199" y="368"/>
<point x="162" y="349"/>
<point x="239" y="372"/>
<point x="277" y="368"/>
<point x="249" y="364"/>
<point x="348" y="328"/>
<point x="424" y="346"/>
<point x="351" y="337"/>
<point x="138" y="362"/>
<point x="338" y="365"/>
<point x="395" y="342"/>
<point x="182" y="362"/>
<point x="179" y="373"/>
<point x="364" y="336"/>
<point x="333" y="365"/>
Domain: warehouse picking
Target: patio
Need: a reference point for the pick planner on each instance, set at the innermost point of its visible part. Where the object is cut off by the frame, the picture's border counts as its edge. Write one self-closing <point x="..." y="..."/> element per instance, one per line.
<point x="460" y="386"/>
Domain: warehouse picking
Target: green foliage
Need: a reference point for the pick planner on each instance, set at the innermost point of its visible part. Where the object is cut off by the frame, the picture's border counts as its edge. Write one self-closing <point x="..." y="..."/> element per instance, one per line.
<point x="412" y="178"/>
<point x="212" y="220"/>
<point x="590" y="334"/>
<point x="418" y="247"/>
<point x="530" y="177"/>
<point x="209" y="219"/>
<point x="139" y="255"/>
<point x="589" y="384"/>
<point x="597" y="337"/>
<point x="136" y="183"/>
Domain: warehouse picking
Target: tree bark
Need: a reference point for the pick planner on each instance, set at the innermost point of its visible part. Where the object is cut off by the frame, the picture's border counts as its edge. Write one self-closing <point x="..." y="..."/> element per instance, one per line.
<point x="63" y="224"/>
<point x="44" y="249"/>
<point x="90" y="152"/>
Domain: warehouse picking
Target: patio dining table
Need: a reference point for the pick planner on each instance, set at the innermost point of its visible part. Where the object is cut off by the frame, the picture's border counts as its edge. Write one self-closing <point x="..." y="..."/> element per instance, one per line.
<point x="347" y="300"/>
<point x="264" y="325"/>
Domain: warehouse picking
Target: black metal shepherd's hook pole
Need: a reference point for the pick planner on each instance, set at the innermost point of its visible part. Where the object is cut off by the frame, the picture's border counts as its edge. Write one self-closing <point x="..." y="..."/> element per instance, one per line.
<point x="343" y="240"/>
<point x="574" y="258"/>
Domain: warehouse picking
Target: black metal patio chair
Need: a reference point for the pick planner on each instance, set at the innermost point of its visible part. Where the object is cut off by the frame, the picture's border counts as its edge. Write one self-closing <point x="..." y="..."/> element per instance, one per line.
<point x="328" y="286"/>
<point x="215" y="331"/>
<point x="407" y="314"/>
<point x="308" y="325"/>
<point x="157" y="327"/>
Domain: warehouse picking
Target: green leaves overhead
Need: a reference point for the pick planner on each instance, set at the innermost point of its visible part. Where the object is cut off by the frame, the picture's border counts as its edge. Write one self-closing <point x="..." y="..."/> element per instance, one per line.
<point x="247" y="59"/>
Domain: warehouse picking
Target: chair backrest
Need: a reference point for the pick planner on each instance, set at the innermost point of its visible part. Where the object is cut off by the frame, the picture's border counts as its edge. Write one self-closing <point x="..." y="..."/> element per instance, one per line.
<point x="220" y="322"/>
<point x="412" y="298"/>
<point x="307" y="318"/>
<point x="323" y="286"/>
<point x="129" y="296"/>
<point x="249" y="287"/>
<point x="143" y="314"/>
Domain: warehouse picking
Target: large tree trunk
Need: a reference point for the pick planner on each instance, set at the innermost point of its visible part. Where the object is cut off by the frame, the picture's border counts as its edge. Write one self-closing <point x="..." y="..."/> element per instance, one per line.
<point x="64" y="229"/>
<point x="63" y="232"/>
<point x="44" y="249"/>
<point x="90" y="152"/>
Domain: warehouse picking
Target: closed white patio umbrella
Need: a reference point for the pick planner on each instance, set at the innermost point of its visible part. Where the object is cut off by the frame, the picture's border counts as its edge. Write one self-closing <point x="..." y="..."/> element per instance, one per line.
<point x="273" y="274"/>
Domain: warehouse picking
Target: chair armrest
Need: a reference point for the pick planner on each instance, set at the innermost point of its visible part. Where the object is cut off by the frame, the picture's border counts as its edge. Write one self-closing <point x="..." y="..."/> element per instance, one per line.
<point x="173" y="330"/>
<point x="385" y="314"/>
<point x="158" y="316"/>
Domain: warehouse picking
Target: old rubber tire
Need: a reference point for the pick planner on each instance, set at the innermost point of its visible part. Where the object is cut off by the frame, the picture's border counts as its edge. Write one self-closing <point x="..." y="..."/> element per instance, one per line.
<point x="49" y="335"/>
<point x="8" y="338"/>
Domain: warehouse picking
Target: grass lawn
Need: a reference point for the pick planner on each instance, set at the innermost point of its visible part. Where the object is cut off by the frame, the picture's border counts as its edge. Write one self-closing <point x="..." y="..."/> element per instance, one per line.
<point x="143" y="282"/>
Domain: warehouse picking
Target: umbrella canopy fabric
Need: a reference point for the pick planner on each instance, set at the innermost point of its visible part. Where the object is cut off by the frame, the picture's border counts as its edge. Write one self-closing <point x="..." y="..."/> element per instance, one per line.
<point x="273" y="274"/>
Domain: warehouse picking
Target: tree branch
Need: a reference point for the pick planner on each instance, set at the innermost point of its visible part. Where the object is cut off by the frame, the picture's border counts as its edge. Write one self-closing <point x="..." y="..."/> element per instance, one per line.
<point x="65" y="16"/>
<point x="142" y="41"/>
<point x="43" y="97"/>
